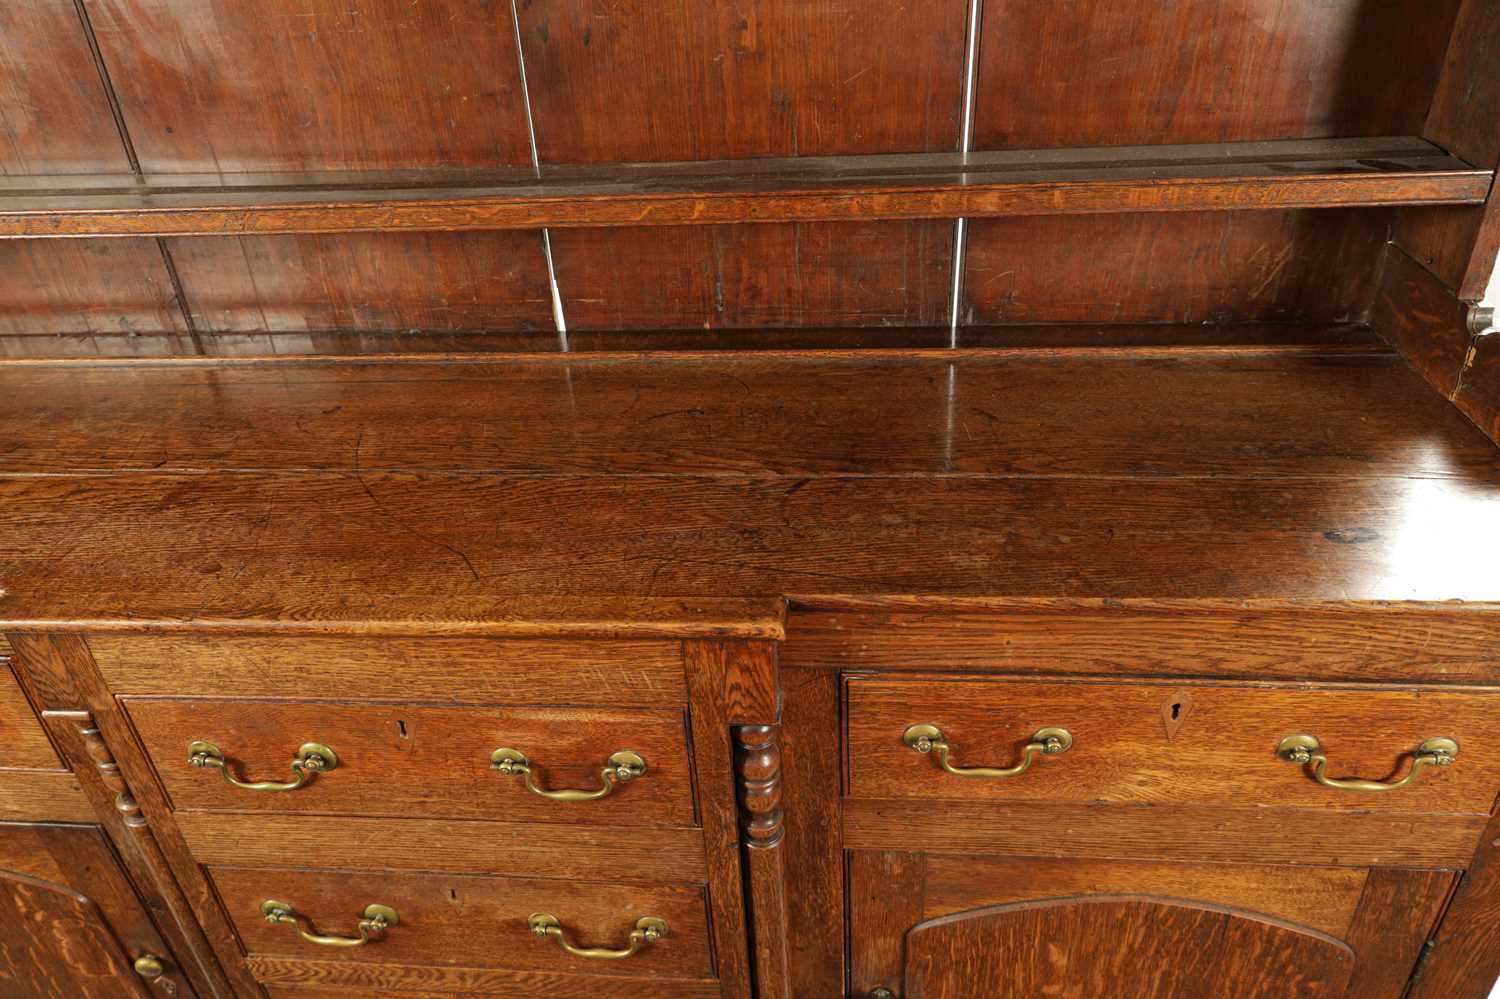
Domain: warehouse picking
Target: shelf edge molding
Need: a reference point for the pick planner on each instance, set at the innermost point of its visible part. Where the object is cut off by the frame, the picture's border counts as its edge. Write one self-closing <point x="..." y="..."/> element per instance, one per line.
<point x="1309" y="173"/>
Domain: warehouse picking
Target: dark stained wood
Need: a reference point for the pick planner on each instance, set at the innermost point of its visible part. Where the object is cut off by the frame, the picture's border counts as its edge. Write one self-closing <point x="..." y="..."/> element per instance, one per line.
<point x="23" y="741"/>
<point x="1460" y="245"/>
<point x="566" y="851"/>
<point x="1256" y="640"/>
<point x="470" y="921"/>
<point x="56" y="117"/>
<point x="824" y="274"/>
<point x="394" y="760"/>
<point x="312" y="978"/>
<point x="712" y="668"/>
<point x="208" y="552"/>
<point x="1478" y="393"/>
<point x="1170" y="415"/>
<point x="1187" y="268"/>
<point x="1466" y="959"/>
<point x="372" y="84"/>
<point x="1319" y="173"/>
<point x="617" y="674"/>
<point x="393" y="281"/>
<point x="1224" y="751"/>
<point x="86" y="286"/>
<point x="55" y="941"/>
<point x="757" y="760"/>
<point x="1422" y="319"/>
<point x="1198" y="71"/>
<point x="1159" y="949"/>
<point x="765" y="78"/>
<point x="79" y="869"/>
<point x="1214" y="834"/>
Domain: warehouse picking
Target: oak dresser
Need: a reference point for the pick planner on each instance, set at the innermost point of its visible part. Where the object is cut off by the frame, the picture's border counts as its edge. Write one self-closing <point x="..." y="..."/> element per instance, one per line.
<point x="773" y="499"/>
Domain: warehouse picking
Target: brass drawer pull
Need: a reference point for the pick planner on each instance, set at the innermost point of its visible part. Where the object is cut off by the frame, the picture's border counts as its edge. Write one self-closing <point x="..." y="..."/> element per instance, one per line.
<point x="311" y="759"/>
<point x="1305" y="749"/>
<point x="621" y="767"/>
<point x="648" y="929"/>
<point x="377" y="919"/>
<point x="1046" y="742"/>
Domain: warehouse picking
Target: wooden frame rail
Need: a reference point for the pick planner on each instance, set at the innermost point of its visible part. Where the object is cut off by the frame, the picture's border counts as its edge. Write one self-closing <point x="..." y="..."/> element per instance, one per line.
<point x="1317" y="173"/>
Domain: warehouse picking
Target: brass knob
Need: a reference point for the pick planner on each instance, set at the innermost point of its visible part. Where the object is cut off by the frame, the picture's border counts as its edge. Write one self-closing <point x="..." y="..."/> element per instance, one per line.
<point x="149" y="967"/>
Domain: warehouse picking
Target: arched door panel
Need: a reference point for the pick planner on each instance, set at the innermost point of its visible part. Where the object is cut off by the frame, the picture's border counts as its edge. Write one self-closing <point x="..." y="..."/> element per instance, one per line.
<point x="55" y="942"/>
<point x="1122" y="946"/>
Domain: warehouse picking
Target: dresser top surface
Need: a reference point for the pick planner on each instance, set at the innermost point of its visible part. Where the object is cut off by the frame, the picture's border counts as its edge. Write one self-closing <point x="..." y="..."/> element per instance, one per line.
<point x="693" y="493"/>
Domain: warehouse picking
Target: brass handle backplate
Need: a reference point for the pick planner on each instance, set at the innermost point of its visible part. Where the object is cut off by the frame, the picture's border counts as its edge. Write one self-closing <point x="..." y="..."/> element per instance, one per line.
<point x="1306" y="749"/>
<point x="311" y="759"/>
<point x="648" y="929"/>
<point x="929" y="739"/>
<point x="621" y="767"/>
<point x="377" y="919"/>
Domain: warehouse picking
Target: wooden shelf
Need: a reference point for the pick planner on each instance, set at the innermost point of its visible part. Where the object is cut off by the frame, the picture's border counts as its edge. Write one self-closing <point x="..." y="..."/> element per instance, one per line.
<point x="1320" y="173"/>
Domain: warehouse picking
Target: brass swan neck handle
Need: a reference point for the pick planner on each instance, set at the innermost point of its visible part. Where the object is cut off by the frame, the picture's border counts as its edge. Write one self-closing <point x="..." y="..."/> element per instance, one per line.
<point x="648" y="930"/>
<point x="620" y="768"/>
<point x="929" y="739"/>
<point x="1305" y="750"/>
<point x="311" y="759"/>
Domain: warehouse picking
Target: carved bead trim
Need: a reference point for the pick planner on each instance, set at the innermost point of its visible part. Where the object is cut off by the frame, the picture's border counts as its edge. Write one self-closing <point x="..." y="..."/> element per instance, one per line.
<point x="109" y="771"/>
<point x="757" y="764"/>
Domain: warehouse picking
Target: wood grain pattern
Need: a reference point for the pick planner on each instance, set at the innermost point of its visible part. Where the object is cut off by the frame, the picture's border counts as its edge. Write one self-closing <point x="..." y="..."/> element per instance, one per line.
<point x="1398" y="170"/>
<point x="86" y="286"/>
<point x="325" y="979"/>
<point x="23" y="741"/>
<point x="372" y="84"/>
<point x="382" y="281"/>
<point x="80" y="862"/>
<point x="1414" y="899"/>
<point x="1214" y="834"/>
<point x="757" y="760"/>
<point x="1478" y="393"/>
<point x="1460" y="244"/>
<point x="884" y="900"/>
<point x="1223" y="752"/>
<point x="1466" y="961"/>
<point x="394" y="759"/>
<point x="467" y="921"/>
<point x="45" y="921"/>
<point x="56" y="118"/>
<point x="725" y="277"/>
<point x="811" y="798"/>
<point x="1264" y="416"/>
<point x="1422" y="319"/>
<point x="1260" y="640"/>
<point x="43" y="796"/>
<point x="1189" y="267"/>
<point x="518" y="849"/>
<point x="711" y="668"/>
<point x="767" y="78"/>
<point x="639" y="673"/>
<point x="1326" y="899"/>
<point x="1159" y="948"/>
<point x="1198" y="71"/>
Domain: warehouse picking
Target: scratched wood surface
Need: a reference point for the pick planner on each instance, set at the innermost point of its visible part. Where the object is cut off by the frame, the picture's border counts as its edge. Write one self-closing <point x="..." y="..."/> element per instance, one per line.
<point x="1267" y="486"/>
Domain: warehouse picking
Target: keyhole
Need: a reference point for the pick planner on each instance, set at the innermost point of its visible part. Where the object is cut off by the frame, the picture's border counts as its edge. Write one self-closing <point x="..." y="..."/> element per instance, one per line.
<point x="401" y="727"/>
<point x="1177" y="711"/>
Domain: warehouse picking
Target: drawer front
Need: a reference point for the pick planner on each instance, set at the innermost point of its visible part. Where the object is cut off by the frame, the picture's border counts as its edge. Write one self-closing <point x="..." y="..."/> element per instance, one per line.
<point x="1146" y="743"/>
<point x="434" y="762"/>
<point x="456" y="921"/>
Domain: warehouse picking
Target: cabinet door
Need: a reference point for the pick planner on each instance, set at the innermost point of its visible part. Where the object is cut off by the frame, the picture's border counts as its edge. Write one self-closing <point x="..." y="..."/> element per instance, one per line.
<point x="70" y="923"/>
<point x="941" y="927"/>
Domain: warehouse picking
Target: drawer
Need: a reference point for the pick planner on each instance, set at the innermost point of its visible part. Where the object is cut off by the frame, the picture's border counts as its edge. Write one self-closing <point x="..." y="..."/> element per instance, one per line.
<point x="445" y="921"/>
<point x="1149" y="743"/>
<point x="23" y="742"/>
<point x="433" y="761"/>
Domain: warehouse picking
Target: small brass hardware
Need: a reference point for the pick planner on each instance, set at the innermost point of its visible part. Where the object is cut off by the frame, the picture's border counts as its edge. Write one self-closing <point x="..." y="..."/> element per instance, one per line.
<point x="622" y="767"/>
<point x="377" y="919"/>
<point x="882" y="994"/>
<point x="312" y="758"/>
<point x="1046" y="742"/>
<point x="149" y="967"/>
<point x="1305" y="749"/>
<point x="648" y="929"/>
